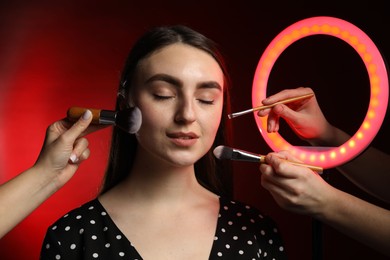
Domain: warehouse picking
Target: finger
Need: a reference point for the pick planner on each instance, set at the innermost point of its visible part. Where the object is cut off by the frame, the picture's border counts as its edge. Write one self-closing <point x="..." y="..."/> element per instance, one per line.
<point x="274" y="187"/>
<point x="281" y="166"/>
<point x="56" y="129"/>
<point x="265" y="168"/>
<point x="93" y="128"/>
<point x="286" y="155"/>
<point x="269" y="174"/>
<point x="272" y="123"/>
<point x="287" y="113"/>
<point x="84" y="156"/>
<point x="263" y="112"/>
<point x="79" y="127"/>
<point x="270" y="180"/>
<point x="286" y="168"/>
<point x="80" y="145"/>
<point x="286" y="93"/>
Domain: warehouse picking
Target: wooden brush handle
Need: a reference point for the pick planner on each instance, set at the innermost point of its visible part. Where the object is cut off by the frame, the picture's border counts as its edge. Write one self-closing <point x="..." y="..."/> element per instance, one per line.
<point x="315" y="168"/>
<point x="74" y="113"/>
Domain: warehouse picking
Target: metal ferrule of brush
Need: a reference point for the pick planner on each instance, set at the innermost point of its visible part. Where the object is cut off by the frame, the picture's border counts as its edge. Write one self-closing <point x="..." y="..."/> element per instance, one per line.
<point x="107" y="117"/>
<point x="239" y="155"/>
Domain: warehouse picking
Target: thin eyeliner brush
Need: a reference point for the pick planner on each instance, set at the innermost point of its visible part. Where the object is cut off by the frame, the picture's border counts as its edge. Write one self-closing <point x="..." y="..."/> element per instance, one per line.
<point x="285" y="101"/>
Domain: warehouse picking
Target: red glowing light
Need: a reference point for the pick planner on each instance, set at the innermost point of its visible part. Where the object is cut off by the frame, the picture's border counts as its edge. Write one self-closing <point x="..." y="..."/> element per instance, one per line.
<point x="379" y="84"/>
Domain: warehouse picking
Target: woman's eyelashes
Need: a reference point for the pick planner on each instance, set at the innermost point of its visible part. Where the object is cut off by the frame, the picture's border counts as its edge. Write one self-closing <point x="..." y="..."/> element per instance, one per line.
<point x="206" y="102"/>
<point x="165" y="97"/>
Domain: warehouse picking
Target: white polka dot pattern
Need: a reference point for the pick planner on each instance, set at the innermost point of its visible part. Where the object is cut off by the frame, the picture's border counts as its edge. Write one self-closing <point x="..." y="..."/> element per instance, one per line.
<point x="88" y="232"/>
<point x="244" y="233"/>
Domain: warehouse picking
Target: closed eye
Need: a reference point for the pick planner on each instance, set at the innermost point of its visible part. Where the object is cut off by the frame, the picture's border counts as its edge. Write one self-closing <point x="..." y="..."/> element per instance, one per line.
<point x="206" y="102"/>
<point x="161" y="97"/>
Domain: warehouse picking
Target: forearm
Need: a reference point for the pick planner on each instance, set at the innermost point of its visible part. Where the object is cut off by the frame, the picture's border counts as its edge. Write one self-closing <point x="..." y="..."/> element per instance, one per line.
<point x="365" y="222"/>
<point x="369" y="170"/>
<point x="21" y="195"/>
<point x="330" y="136"/>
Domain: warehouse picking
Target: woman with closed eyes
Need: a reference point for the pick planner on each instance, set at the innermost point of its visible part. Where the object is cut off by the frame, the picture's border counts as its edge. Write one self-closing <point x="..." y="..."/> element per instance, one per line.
<point x="161" y="196"/>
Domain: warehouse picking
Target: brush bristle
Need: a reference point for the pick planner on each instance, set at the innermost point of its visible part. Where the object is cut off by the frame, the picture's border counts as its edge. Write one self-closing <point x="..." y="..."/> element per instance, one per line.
<point x="130" y="120"/>
<point x="135" y="120"/>
<point x="223" y="152"/>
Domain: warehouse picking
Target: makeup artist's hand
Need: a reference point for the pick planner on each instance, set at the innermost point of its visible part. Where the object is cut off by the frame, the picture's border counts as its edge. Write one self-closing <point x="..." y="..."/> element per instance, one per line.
<point x="304" y="117"/>
<point x="294" y="188"/>
<point x="65" y="148"/>
<point x="300" y="190"/>
<point x="309" y="123"/>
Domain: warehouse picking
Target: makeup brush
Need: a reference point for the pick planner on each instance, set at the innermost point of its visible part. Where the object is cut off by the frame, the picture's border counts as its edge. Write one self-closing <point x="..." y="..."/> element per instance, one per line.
<point x="129" y="120"/>
<point x="285" y="101"/>
<point x="224" y="152"/>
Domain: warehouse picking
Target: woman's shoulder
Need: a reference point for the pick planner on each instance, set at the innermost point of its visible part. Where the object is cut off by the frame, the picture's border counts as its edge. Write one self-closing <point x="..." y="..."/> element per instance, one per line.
<point x="79" y="215"/>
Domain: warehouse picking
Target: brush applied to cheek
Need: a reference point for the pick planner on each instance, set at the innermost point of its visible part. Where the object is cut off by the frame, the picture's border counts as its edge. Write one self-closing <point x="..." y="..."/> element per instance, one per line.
<point x="129" y="120"/>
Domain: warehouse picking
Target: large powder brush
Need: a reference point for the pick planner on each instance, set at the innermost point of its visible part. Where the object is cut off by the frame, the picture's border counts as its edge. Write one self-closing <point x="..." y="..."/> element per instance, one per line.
<point x="129" y="120"/>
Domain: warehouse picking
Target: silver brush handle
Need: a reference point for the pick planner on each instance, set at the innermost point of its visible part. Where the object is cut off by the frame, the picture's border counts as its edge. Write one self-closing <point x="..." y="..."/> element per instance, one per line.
<point x="240" y="155"/>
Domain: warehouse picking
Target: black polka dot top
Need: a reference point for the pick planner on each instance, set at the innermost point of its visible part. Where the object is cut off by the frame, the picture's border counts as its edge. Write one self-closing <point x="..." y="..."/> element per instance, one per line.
<point x="88" y="232"/>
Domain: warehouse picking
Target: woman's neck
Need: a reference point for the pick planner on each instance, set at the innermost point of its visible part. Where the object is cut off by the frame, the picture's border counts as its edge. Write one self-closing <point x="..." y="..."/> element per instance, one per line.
<point x="155" y="180"/>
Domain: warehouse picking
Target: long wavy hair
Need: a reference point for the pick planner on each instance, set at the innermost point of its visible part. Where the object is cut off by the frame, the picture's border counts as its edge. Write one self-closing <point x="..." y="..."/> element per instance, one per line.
<point x="212" y="174"/>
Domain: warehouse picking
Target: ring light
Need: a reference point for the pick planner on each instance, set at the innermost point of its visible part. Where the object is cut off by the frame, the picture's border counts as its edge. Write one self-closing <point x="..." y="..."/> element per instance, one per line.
<point x="326" y="157"/>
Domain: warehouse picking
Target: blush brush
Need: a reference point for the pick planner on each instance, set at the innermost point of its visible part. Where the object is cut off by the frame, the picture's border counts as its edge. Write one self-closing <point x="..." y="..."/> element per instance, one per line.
<point x="223" y="152"/>
<point x="129" y="120"/>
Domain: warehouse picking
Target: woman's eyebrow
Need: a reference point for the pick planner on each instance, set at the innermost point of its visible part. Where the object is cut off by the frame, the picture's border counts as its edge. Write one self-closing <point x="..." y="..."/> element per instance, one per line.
<point x="210" y="85"/>
<point x="176" y="82"/>
<point x="164" y="77"/>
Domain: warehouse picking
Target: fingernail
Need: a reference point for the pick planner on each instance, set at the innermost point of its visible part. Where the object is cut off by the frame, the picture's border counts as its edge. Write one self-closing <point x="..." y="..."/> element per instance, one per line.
<point x="87" y="114"/>
<point x="268" y="128"/>
<point x="73" y="158"/>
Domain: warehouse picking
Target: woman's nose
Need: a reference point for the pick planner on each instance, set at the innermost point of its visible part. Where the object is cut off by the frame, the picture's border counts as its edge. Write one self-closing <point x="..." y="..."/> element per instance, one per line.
<point x="185" y="112"/>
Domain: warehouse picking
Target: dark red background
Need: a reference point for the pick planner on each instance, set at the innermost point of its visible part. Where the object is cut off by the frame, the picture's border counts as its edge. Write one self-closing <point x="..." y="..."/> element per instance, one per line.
<point x="56" y="54"/>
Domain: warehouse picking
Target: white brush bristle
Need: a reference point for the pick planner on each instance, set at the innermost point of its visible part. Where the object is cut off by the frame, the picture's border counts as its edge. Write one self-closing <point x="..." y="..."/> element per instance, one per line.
<point x="129" y="120"/>
<point x="135" y="120"/>
<point x="223" y="152"/>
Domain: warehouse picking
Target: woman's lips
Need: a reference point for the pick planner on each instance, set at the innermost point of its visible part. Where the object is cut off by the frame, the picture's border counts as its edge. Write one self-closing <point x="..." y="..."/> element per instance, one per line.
<point x="183" y="139"/>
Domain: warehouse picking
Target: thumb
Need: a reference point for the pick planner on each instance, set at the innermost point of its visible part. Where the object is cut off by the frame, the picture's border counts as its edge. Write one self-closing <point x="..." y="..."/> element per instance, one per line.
<point x="77" y="129"/>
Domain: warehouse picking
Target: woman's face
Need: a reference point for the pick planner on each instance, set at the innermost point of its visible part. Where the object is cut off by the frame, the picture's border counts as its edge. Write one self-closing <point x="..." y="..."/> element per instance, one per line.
<point x="179" y="90"/>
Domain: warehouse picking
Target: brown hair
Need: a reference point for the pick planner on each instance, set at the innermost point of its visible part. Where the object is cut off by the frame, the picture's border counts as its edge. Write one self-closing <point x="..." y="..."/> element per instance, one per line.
<point x="212" y="174"/>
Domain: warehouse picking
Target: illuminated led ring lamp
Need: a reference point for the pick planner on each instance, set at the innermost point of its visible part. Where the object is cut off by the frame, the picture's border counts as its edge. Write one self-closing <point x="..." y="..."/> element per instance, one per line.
<point x="379" y="84"/>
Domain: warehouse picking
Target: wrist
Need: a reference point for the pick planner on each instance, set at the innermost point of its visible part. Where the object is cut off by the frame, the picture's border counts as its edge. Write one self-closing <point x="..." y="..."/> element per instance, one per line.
<point x="331" y="136"/>
<point x="324" y="206"/>
<point x="47" y="180"/>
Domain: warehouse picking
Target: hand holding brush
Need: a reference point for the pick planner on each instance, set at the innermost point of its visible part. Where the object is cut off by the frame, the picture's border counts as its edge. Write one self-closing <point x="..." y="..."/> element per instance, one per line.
<point x="284" y="101"/>
<point x="129" y="120"/>
<point x="224" y="152"/>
